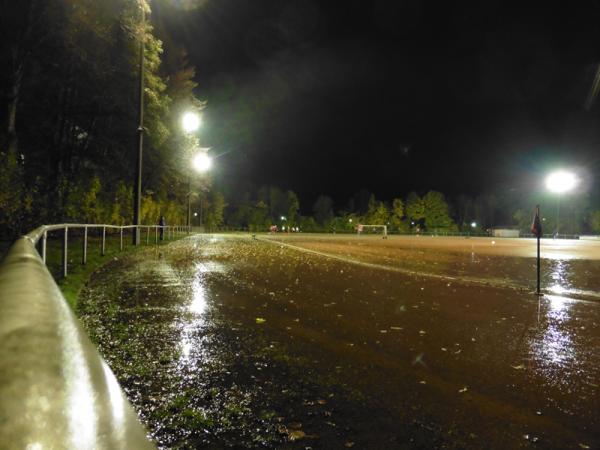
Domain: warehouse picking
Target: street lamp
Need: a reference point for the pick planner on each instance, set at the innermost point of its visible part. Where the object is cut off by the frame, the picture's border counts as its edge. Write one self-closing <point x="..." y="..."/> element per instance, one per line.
<point x="560" y="182"/>
<point x="473" y="224"/>
<point x="202" y="162"/>
<point x="190" y="121"/>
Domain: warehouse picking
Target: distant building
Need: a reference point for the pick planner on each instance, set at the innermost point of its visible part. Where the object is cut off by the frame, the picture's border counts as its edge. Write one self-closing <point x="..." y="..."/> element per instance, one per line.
<point x="505" y="232"/>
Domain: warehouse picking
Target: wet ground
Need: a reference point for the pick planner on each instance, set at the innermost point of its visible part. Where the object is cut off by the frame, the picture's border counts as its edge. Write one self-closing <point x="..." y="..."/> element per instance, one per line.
<point x="226" y="341"/>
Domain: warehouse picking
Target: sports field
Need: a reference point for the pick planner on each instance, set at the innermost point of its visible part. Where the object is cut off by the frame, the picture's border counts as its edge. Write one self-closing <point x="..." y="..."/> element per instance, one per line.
<point x="569" y="267"/>
<point x="322" y="342"/>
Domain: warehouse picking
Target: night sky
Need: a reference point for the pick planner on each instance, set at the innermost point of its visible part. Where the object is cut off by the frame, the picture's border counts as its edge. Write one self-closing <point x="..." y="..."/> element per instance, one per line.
<point x="328" y="97"/>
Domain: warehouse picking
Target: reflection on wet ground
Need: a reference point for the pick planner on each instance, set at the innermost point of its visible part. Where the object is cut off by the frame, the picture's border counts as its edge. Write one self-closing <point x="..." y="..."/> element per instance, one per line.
<point x="227" y="341"/>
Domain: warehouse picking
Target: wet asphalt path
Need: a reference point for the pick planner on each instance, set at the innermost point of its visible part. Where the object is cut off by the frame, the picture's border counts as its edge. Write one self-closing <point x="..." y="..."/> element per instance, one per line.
<point x="227" y="341"/>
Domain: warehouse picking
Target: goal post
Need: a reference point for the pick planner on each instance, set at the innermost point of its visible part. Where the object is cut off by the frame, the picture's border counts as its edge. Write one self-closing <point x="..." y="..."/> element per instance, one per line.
<point x="361" y="228"/>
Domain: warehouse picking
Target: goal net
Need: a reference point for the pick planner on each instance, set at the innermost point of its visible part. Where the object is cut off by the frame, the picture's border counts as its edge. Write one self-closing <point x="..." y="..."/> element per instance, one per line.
<point x="372" y="229"/>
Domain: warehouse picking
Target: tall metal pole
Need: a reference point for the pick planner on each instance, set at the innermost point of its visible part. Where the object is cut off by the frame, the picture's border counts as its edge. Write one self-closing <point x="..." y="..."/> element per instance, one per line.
<point x="557" y="214"/>
<point x="538" y="292"/>
<point x="189" y="196"/>
<point x="137" y="194"/>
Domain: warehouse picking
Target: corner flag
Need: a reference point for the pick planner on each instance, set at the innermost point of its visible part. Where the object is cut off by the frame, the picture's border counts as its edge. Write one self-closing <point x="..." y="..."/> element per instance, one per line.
<point x="536" y="226"/>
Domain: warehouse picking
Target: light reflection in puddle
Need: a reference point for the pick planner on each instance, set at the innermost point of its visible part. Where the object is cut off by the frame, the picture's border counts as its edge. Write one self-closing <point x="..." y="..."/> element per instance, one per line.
<point x="195" y="311"/>
<point x="553" y="348"/>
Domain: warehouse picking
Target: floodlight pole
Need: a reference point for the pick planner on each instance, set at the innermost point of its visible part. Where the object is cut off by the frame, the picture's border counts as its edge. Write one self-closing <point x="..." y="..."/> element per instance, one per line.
<point x="557" y="214"/>
<point x="189" y="202"/>
<point x="137" y="193"/>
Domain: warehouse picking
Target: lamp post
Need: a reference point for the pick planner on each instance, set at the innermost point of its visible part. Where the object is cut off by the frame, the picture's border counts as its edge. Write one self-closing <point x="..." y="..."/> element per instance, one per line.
<point x="202" y="163"/>
<point x="560" y="182"/>
<point x="137" y="193"/>
<point x="190" y="122"/>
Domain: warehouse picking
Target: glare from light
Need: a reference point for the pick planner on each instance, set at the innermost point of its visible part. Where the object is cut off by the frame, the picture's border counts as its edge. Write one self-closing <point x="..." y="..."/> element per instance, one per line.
<point x="202" y="162"/>
<point x="561" y="181"/>
<point x="190" y="122"/>
<point x="195" y="214"/>
<point x="282" y="217"/>
<point x="473" y="224"/>
<point x="350" y="220"/>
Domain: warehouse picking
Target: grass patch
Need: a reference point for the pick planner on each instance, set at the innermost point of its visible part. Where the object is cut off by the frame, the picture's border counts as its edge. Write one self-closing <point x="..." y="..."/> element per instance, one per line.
<point x="78" y="274"/>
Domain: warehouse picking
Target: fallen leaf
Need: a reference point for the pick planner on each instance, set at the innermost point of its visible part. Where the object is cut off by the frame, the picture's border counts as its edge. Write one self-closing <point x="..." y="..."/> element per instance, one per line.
<point x="463" y="390"/>
<point x="519" y="367"/>
<point x="350" y="444"/>
<point x="260" y="320"/>
<point x="296" y="435"/>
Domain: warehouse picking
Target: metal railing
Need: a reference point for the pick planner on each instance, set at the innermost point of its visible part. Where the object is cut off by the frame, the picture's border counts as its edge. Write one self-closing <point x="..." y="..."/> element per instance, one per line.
<point x="40" y="235"/>
<point x="56" y="391"/>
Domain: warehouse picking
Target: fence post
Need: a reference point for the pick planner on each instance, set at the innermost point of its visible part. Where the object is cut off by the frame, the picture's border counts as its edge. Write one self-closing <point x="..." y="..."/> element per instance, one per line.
<point x="44" y="238"/>
<point x="85" y="239"/>
<point x="147" y="235"/>
<point x="121" y="243"/>
<point x="156" y="235"/>
<point x="103" y="241"/>
<point x="64" y="252"/>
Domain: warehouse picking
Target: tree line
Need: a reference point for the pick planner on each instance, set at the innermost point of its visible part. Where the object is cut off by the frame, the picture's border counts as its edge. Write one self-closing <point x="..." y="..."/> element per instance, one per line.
<point x="69" y="116"/>
<point x="429" y="211"/>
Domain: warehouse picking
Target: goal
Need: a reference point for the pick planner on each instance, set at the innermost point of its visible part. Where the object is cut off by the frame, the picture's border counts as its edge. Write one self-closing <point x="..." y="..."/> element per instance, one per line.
<point x="366" y="229"/>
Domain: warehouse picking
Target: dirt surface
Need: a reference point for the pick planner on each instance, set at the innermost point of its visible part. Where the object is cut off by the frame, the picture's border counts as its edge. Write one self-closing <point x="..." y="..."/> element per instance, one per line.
<point x="226" y="341"/>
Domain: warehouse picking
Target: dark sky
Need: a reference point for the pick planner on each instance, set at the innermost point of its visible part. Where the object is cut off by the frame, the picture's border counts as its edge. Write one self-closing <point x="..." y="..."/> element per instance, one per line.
<point x="330" y="97"/>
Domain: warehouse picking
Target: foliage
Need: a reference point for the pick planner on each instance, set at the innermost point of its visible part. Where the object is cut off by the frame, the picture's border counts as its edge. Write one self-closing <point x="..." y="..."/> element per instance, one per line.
<point x="397" y="215"/>
<point x="377" y="212"/>
<point x="594" y="221"/>
<point x="436" y="212"/>
<point x="415" y="208"/>
<point x="323" y="209"/>
<point x="214" y="216"/>
<point x="69" y="114"/>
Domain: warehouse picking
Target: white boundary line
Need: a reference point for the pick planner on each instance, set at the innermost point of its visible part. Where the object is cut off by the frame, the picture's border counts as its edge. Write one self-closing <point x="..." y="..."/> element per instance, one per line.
<point x="578" y="294"/>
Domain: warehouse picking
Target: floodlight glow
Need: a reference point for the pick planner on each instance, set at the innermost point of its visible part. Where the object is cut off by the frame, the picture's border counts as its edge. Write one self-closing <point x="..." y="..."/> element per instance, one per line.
<point x="202" y="162"/>
<point x="190" y="122"/>
<point x="561" y="181"/>
<point x="473" y="224"/>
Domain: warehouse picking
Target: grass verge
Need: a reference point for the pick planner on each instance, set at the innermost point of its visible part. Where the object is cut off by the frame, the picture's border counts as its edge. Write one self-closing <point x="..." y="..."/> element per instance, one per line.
<point x="78" y="273"/>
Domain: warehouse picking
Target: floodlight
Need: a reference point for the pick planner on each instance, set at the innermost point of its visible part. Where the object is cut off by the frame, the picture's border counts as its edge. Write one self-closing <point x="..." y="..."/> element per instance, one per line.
<point x="202" y="162"/>
<point x="190" y="122"/>
<point x="561" y="181"/>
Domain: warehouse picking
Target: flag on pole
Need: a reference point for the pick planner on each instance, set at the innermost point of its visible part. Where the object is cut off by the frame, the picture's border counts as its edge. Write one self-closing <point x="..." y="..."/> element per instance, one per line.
<point x="536" y="226"/>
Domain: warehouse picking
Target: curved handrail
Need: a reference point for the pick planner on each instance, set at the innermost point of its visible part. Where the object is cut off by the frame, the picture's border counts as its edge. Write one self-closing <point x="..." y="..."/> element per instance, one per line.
<point x="56" y="391"/>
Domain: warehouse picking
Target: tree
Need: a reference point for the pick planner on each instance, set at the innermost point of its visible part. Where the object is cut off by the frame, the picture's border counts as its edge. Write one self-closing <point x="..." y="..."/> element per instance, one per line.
<point x="415" y="208"/>
<point x="436" y="212"/>
<point x="214" y="216"/>
<point x="377" y="212"/>
<point x="293" y="206"/>
<point x="397" y="215"/>
<point x="323" y="209"/>
<point x="594" y="221"/>
<point x="259" y="217"/>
